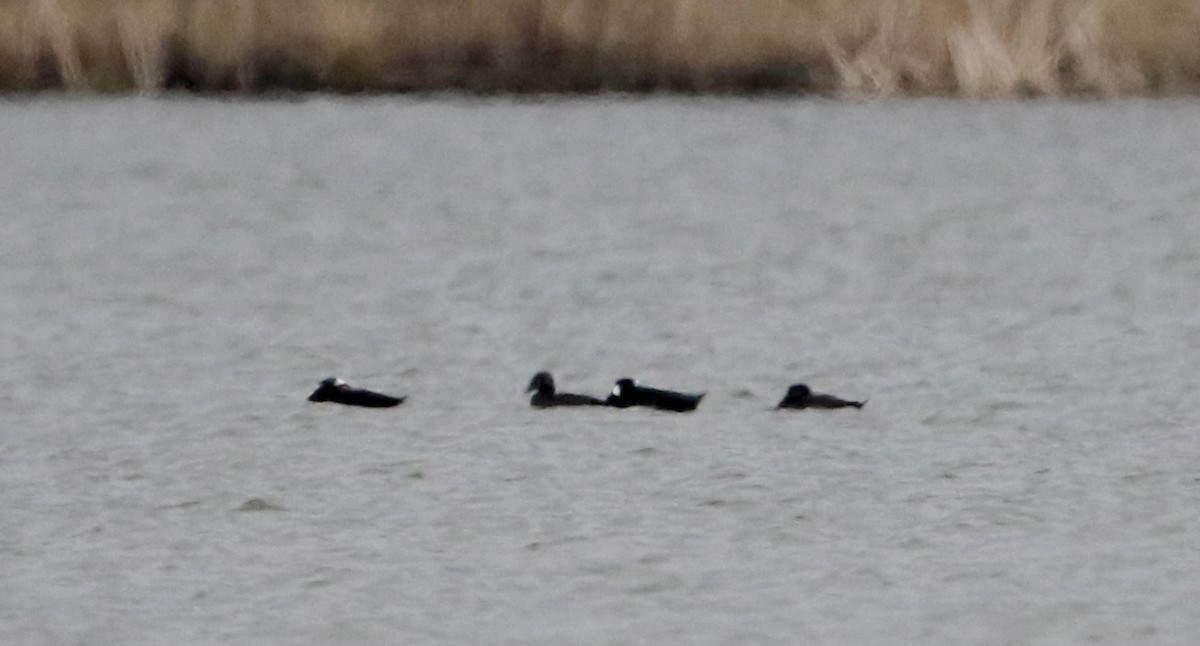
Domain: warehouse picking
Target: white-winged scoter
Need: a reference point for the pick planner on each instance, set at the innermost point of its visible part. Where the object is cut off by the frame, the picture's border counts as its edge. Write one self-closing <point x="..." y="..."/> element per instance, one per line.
<point x="545" y="395"/>
<point x="801" y="396"/>
<point x="337" y="391"/>
<point x="628" y="393"/>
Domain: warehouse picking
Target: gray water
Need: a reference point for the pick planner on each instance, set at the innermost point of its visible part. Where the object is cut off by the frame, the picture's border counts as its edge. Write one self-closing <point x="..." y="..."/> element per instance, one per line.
<point x="1015" y="287"/>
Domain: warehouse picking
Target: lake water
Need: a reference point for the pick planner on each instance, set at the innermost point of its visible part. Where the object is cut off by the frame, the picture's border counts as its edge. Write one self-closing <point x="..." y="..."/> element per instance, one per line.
<point x="1015" y="287"/>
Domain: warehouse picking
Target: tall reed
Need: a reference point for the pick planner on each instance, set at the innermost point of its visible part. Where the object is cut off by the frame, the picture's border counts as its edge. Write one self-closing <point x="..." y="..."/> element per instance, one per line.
<point x="972" y="48"/>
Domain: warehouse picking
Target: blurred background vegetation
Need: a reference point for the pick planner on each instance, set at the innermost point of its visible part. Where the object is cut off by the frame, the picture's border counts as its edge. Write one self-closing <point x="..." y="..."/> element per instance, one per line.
<point x="973" y="48"/>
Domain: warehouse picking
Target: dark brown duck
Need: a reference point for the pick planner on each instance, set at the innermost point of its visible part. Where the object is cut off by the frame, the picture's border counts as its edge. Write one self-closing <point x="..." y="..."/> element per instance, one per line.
<point x="545" y="395"/>
<point x="801" y="396"/>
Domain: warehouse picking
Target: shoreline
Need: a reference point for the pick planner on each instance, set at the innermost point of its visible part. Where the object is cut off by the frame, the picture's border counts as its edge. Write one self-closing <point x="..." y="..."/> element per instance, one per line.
<point x="981" y="49"/>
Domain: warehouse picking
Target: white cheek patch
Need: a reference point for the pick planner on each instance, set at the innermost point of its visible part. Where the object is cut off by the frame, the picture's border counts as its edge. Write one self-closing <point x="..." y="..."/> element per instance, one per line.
<point x="337" y="383"/>
<point x="617" y="391"/>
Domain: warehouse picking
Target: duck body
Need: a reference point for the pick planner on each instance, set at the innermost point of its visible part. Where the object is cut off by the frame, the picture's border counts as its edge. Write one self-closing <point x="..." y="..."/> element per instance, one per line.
<point x="339" y="392"/>
<point x="546" y="396"/>
<point x="800" y="396"/>
<point x="627" y="393"/>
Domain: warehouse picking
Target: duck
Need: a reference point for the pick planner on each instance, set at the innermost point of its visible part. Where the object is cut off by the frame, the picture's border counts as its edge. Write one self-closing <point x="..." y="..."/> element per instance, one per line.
<point x="628" y="393"/>
<point x="800" y="396"/>
<point x="335" y="390"/>
<point x="544" y="395"/>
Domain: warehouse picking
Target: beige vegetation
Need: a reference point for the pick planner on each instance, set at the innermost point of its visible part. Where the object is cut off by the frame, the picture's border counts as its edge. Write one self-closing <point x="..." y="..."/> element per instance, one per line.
<point x="973" y="48"/>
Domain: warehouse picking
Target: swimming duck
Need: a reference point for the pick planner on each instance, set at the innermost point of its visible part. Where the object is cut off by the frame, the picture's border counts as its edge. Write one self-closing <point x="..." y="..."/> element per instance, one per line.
<point x="336" y="390"/>
<point x="546" y="397"/>
<point x="801" y="396"/>
<point x="627" y="393"/>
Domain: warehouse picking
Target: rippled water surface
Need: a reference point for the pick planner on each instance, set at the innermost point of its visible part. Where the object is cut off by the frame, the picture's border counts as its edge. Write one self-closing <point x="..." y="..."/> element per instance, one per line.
<point x="1014" y="286"/>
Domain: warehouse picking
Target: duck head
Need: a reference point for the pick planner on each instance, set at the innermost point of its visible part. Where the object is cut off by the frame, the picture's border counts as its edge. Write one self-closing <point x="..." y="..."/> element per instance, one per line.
<point x="541" y="382"/>
<point x="622" y="395"/>
<point x="327" y="386"/>
<point x="799" y="392"/>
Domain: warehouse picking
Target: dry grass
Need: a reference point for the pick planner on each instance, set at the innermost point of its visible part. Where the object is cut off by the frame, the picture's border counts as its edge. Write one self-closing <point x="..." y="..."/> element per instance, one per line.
<point x="973" y="48"/>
